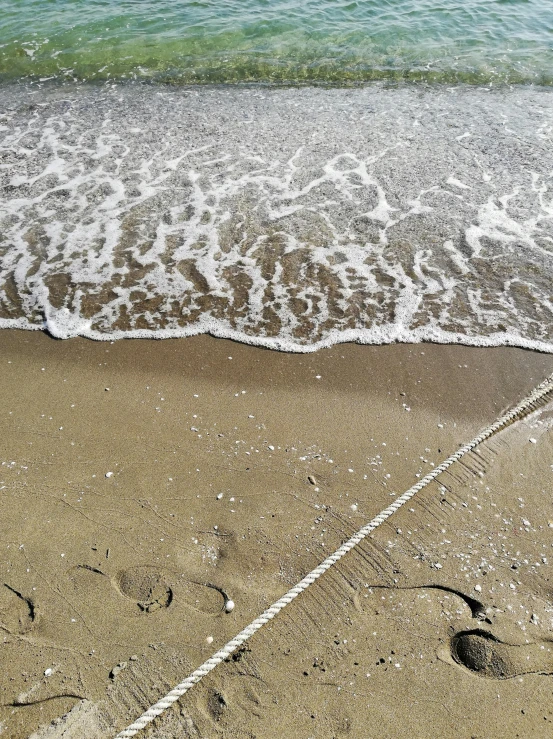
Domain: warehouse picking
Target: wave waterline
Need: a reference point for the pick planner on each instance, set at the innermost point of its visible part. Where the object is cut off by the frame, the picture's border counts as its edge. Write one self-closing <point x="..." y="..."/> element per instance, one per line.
<point x="286" y="218"/>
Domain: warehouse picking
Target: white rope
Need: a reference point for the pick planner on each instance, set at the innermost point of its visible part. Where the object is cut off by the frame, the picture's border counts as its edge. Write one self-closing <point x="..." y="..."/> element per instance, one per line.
<point x="539" y="392"/>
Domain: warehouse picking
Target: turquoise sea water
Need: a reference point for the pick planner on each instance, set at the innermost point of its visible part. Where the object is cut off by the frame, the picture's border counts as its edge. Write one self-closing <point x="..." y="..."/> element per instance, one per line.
<point x="279" y="41"/>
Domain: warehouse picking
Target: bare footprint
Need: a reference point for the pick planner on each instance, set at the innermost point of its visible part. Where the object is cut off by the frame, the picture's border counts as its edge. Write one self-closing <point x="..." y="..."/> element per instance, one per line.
<point x="482" y="653"/>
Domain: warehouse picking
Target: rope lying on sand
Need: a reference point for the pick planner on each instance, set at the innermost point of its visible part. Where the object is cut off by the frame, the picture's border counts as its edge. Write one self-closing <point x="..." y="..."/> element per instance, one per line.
<point x="523" y="408"/>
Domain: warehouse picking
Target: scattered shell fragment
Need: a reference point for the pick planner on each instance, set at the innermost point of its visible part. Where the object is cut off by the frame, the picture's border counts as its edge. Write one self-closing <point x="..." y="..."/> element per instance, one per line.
<point x="311" y="479"/>
<point x="117" y="669"/>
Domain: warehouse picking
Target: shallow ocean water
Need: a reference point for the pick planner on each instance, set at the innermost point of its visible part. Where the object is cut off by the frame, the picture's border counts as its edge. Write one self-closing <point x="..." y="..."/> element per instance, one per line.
<point x="291" y="218"/>
<point x="283" y="41"/>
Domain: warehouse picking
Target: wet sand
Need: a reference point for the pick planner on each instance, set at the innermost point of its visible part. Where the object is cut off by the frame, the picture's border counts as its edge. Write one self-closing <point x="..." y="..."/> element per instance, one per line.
<point x="142" y="483"/>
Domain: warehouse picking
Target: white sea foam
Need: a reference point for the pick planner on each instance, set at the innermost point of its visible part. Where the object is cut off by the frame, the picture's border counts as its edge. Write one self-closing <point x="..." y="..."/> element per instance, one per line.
<point x="330" y="217"/>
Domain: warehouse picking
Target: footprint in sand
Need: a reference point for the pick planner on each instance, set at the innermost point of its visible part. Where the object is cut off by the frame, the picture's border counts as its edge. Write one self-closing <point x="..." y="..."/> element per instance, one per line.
<point x="479" y="651"/>
<point x="150" y="589"/>
<point x="482" y="653"/>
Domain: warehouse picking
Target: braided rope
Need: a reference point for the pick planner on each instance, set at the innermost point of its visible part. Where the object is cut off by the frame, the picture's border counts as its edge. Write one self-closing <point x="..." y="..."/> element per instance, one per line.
<point x="520" y="410"/>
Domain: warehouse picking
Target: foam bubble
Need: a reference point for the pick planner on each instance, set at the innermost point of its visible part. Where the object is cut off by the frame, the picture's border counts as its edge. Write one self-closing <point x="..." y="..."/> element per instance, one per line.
<point x="63" y="324"/>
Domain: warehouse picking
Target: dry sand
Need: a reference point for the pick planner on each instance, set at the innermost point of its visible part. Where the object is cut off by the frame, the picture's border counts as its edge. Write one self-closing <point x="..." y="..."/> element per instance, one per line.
<point x="142" y="482"/>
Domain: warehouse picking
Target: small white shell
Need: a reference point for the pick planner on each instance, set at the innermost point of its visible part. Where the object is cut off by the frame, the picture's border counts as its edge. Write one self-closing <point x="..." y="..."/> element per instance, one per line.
<point x="229" y="606"/>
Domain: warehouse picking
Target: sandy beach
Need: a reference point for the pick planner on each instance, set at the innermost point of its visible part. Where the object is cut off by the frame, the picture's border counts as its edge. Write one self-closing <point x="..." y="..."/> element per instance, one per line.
<point x="267" y="270"/>
<point x="144" y="484"/>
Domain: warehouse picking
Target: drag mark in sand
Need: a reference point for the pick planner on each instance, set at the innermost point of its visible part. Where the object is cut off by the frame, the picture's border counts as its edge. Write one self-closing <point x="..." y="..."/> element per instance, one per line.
<point x="529" y="404"/>
<point x="477" y="608"/>
<point x="19" y="619"/>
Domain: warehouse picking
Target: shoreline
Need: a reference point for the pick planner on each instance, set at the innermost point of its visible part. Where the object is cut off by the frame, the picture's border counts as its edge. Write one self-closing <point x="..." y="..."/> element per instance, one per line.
<point x="388" y="83"/>
<point x="380" y="215"/>
<point x="338" y="338"/>
<point x="178" y="424"/>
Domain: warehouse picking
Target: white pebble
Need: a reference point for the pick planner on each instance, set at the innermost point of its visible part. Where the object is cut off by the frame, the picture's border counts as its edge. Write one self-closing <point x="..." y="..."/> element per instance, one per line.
<point x="48" y="672"/>
<point x="229" y="606"/>
<point x="219" y="496"/>
<point x="109" y="474"/>
<point x="478" y="588"/>
<point x="533" y="441"/>
<point x="209" y="640"/>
